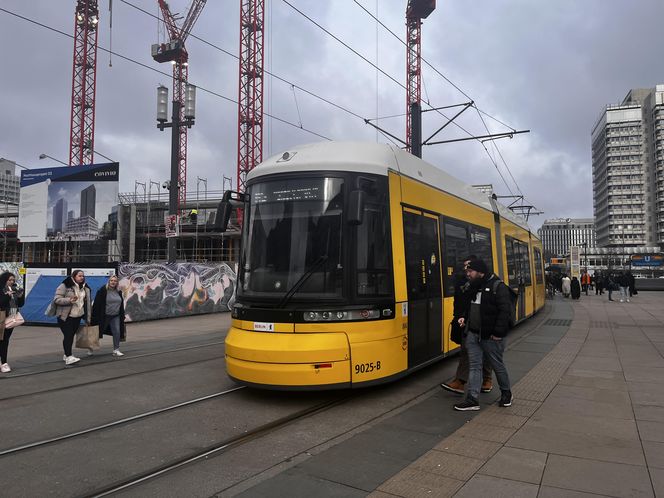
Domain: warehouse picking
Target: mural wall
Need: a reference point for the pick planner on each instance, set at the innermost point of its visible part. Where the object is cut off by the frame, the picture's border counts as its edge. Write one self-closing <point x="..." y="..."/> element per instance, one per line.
<point x="14" y="268"/>
<point x="161" y="290"/>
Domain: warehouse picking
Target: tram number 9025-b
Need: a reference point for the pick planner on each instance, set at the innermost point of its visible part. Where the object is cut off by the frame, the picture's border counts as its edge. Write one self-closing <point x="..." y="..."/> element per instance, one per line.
<point x="361" y="368"/>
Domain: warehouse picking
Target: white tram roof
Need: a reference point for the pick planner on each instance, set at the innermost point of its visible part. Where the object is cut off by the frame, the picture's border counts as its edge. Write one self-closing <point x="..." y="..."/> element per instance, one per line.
<point x="378" y="159"/>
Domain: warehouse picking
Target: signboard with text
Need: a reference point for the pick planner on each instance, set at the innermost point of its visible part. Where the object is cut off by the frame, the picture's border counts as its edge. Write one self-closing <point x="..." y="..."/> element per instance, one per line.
<point x="171" y="224"/>
<point x="69" y="203"/>
<point x="648" y="260"/>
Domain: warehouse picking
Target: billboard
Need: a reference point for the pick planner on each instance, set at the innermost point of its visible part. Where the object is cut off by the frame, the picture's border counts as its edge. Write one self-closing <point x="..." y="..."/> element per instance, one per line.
<point x="69" y="203"/>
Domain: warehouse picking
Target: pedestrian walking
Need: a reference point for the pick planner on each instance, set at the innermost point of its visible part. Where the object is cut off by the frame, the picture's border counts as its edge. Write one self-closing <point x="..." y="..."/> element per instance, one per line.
<point x="623" y="282"/>
<point x="487" y="322"/>
<point x="462" y="299"/>
<point x="611" y="285"/>
<point x="566" y="286"/>
<point x="72" y="304"/>
<point x="575" y="288"/>
<point x="11" y="299"/>
<point x="108" y="313"/>
<point x="599" y="285"/>
<point x="585" y="282"/>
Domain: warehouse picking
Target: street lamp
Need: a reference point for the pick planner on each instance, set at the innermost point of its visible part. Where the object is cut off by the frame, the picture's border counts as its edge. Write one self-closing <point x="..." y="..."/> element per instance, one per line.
<point x="44" y="156"/>
<point x="175" y="124"/>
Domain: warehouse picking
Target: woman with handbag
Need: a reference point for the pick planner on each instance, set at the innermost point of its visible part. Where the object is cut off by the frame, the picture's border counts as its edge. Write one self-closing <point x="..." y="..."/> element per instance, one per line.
<point x="11" y="299"/>
<point x="72" y="303"/>
<point x="108" y="313"/>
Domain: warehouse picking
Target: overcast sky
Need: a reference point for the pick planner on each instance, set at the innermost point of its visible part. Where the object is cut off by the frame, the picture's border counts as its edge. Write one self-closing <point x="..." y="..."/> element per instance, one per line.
<point x="549" y="67"/>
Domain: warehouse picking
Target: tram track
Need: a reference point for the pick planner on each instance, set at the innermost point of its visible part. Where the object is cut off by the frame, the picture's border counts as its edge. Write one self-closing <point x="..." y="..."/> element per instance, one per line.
<point x="127" y="357"/>
<point x="116" y="423"/>
<point x="108" y="379"/>
<point x="217" y="448"/>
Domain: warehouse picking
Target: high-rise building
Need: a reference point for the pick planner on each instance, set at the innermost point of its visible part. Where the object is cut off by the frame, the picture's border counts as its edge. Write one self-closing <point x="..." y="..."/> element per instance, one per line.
<point x="559" y="234"/>
<point x="88" y="200"/>
<point x="628" y="171"/>
<point x="60" y="215"/>
<point x="9" y="182"/>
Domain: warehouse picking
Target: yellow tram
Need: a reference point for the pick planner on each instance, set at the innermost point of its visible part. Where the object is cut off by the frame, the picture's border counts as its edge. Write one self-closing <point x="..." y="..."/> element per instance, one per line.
<point x="348" y="257"/>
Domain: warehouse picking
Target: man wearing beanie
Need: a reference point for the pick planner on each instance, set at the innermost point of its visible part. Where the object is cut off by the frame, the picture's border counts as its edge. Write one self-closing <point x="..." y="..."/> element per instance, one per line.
<point x="488" y="323"/>
<point x="463" y="295"/>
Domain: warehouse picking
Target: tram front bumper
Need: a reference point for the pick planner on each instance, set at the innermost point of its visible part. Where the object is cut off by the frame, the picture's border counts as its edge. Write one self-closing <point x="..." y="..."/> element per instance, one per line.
<point x="272" y="359"/>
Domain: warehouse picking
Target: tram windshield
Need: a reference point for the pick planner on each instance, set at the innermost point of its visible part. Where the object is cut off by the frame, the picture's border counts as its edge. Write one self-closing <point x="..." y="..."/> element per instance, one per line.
<point x="293" y="238"/>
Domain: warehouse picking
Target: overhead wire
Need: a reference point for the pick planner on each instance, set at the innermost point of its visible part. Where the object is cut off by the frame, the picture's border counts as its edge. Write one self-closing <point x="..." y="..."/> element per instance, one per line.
<point x="269" y="73"/>
<point x="480" y="112"/>
<point x="141" y="64"/>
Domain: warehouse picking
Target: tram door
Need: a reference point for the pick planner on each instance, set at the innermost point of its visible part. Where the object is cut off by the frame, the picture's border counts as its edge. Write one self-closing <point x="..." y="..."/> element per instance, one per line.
<point x="424" y="287"/>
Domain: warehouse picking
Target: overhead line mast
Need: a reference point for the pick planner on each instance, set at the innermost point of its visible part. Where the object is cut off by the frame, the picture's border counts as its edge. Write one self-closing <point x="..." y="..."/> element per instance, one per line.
<point x="250" y="100"/>
<point x="175" y="52"/>
<point x="416" y="10"/>
<point x="83" y="87"/>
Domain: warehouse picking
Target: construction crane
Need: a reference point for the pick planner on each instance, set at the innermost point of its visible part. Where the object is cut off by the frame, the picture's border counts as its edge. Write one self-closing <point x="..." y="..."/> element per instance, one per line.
<point x="83" y="87"/>
<point x="416" y="10"/>
<point x="174" y="51"/>
<point x="250" y="100"/>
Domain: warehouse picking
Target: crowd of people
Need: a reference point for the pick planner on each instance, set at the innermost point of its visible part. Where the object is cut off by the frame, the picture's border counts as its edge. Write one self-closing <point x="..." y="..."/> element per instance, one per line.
<point x="601" y="281"/>
<point x="74" y="309"/>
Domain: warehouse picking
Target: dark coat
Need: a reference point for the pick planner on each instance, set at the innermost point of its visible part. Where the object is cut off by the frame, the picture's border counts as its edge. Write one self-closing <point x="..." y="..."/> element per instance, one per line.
<point x="62" y="299"/>
<point x="494" y="308"/>
<point x="575" y="288"/>
<point x="100" y="318"/>
<point x="5" y="299"/>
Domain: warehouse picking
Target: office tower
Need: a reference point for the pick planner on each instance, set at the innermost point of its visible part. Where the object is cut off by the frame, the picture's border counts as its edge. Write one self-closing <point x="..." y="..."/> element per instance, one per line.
<point x="60" y="215"/>
<point x="628" y="171"/>
<point x="88" y="200"/>
<point x="559" y="234"/>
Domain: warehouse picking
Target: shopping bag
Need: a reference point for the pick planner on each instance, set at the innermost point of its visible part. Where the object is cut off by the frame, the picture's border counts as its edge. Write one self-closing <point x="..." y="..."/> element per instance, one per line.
<point x="50" y="310"/>
<point x="87" y="337"/>
<point x="14" y="320"/>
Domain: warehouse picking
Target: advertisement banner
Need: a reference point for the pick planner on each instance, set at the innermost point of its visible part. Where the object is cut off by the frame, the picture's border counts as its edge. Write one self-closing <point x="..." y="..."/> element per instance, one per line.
<point x="69" y="203"/>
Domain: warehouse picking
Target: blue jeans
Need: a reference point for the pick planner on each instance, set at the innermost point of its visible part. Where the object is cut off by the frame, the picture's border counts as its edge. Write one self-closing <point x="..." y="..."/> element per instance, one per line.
<point x="114" y="323"/>
<point x="494" y="351"/>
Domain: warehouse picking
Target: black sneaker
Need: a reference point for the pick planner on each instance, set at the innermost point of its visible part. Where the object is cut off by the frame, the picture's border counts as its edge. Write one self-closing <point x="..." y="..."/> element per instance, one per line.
<point x="506" y="399"/>
<point x="468" y="404"/>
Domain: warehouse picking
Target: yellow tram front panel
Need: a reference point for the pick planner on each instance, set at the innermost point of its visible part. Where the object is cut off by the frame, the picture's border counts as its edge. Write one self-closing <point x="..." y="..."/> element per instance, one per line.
<point x="318" y="354"/>
<point x="287" y="359"/>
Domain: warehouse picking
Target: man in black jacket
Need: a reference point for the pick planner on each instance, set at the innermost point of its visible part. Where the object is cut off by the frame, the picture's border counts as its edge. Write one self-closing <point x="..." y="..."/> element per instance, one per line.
<point x="463" y="295"/>
<point x="488" y="323"/>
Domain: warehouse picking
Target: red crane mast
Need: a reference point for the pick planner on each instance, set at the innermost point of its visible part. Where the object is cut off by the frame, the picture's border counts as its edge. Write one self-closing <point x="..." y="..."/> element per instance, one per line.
<point x="250" y="100"/>
<point x="83" y="88"/>
<point x="416" y="10"/>
<point x="176" y="52"/>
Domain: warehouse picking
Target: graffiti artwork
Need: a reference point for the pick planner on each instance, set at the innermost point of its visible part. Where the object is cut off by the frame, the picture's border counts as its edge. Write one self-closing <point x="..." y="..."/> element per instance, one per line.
<point x="155" y="290"/>
<point x="14" y="268"/>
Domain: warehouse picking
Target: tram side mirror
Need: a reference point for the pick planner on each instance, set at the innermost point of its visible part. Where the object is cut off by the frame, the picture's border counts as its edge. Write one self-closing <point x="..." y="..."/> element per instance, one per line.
<point x="356" y="207"/>
<point x="223" y="216"/>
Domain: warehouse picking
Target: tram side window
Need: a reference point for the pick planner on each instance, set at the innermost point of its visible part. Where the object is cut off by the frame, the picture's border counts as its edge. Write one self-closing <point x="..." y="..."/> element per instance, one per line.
<point x="456" y="246"/>
<point x="373" y="253"/>
<point x="539" y="275"/>
<point x="525" y="263"/>
<point x="480" y="245"/>
<point x="510" y="252"/>
<point x="460" y="240"/>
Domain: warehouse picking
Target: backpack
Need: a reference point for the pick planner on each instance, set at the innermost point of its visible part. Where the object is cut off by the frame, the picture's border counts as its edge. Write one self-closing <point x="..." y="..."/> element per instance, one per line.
<point x="514" y="295"/>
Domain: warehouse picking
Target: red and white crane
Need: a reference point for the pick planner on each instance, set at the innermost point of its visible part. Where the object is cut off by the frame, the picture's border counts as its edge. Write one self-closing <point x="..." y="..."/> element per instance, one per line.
<point x="174" y="51"/>
<point x="83" y="88"/>
<point x="250" y="100"/>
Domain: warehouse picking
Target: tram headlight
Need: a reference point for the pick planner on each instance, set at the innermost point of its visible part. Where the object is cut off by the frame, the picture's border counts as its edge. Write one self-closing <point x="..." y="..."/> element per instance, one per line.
<point x="338" y="315"/>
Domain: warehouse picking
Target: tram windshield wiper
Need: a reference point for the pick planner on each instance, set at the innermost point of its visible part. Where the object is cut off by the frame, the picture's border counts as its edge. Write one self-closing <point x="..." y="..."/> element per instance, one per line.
<point x="301" y="281"/>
